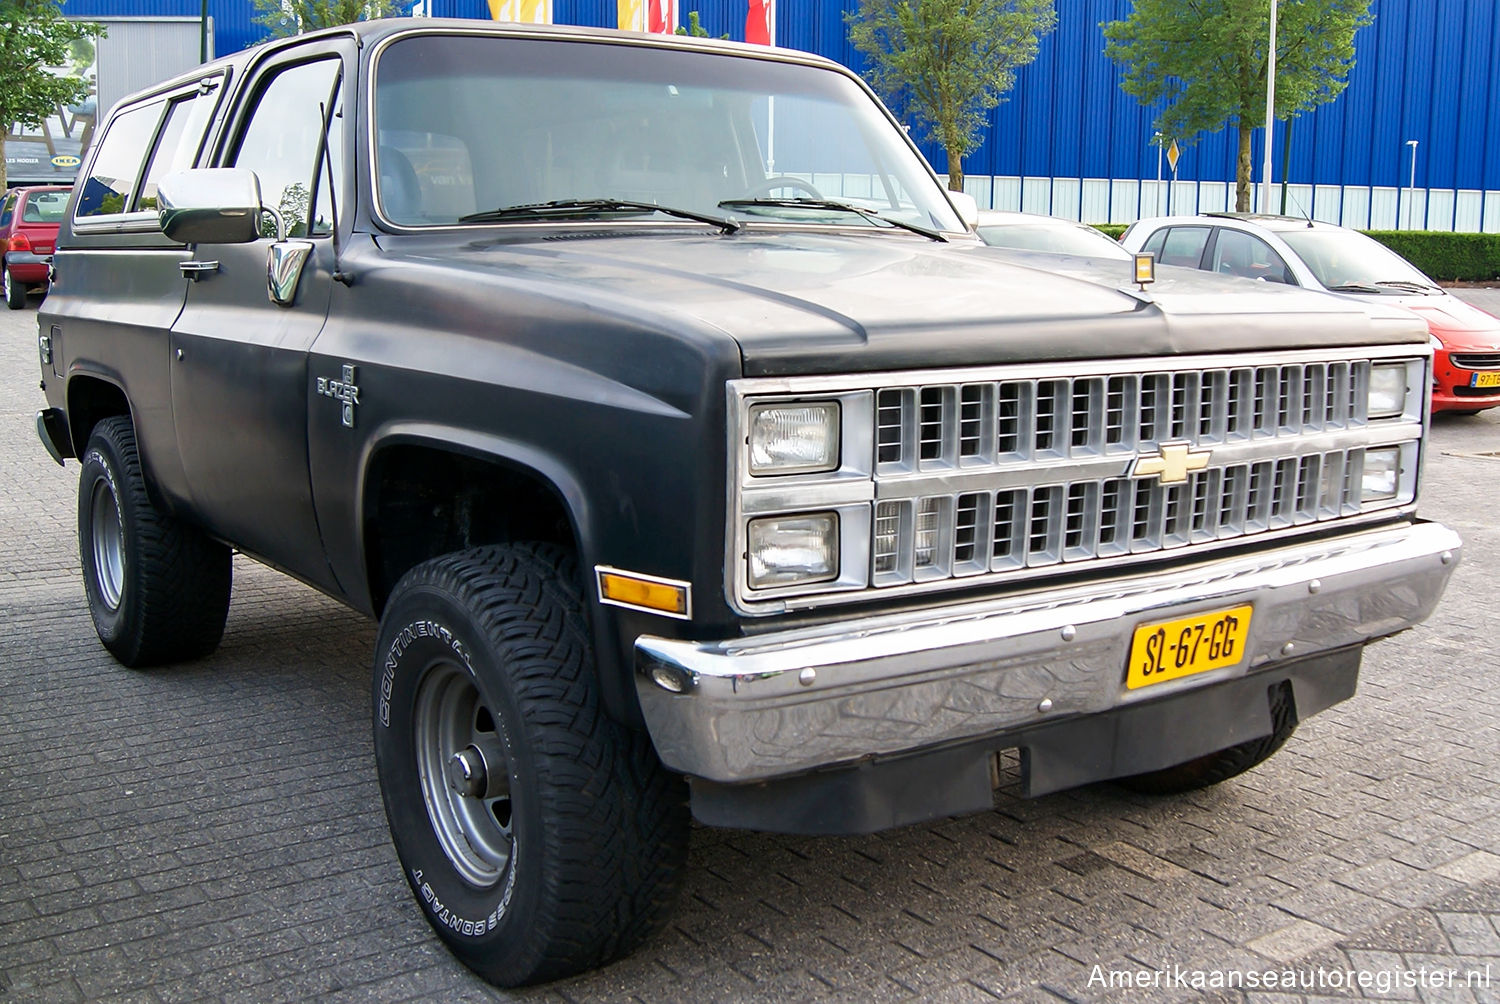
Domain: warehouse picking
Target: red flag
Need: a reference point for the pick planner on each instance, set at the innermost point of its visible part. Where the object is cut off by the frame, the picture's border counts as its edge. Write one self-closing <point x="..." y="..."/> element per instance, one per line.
<point x="760" y="22"/>
<point x="661" y="17"/>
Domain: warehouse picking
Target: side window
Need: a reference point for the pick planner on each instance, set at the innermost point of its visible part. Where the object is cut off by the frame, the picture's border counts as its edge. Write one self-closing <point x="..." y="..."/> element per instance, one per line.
<point x="177" y="146"/>
<point x="9" y="210"/>
<point x="1155" y="242"/>
<point x="1184" y="246"/>
<point x="107" y="189"/>
<point x="283" y="141"/>
<point x="1237" y="253"/>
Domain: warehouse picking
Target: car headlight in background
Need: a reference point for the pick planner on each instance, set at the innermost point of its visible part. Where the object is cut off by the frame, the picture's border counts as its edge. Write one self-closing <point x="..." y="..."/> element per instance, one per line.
<point x="1382" y="475"/>
<point x="1387" y="390"/>
<point x="791" y="550"/>
<point x="797" y="438"/>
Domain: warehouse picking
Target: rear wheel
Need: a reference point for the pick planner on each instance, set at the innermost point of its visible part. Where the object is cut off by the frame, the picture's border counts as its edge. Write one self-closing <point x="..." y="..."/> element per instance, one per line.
<point x="540" y="837"/>
<point x="15" y="291"/>
<point x="1206" y="771"/>
<point x="158" y="590"/>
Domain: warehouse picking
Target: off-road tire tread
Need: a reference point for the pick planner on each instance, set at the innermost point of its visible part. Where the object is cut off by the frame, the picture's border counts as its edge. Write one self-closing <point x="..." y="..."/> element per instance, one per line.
<point x="1209" y="770"/>
<point x="616" y="820"/>
<point x="182" y="577"/>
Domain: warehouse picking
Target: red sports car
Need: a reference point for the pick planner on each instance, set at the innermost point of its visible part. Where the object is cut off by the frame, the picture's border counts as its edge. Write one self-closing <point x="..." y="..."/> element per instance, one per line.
<point x="28" y="231"/>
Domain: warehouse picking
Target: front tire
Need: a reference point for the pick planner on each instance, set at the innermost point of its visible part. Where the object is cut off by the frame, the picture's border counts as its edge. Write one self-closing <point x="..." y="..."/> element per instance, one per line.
<point x="158" y="590"/>
<point x="15" y="292"/>
<point x="540" y="837"/>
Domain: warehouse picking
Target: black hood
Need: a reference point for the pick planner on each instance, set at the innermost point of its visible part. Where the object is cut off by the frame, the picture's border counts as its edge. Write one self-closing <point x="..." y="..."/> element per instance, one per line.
<point x="813" y="302"/>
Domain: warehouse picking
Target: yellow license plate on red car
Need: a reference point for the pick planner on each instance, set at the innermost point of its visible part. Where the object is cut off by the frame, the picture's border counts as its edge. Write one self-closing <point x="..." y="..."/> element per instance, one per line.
<point x="1169" y="650"/>
<point x="1485" y="380"/>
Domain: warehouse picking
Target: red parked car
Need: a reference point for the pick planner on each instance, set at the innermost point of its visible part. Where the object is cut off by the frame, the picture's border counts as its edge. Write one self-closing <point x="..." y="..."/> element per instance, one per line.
<point x="28" y="231"/>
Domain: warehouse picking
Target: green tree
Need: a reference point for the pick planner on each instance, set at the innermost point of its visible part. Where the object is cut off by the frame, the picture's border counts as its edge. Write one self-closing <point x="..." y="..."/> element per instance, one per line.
<point x="695" y="27"/>
<point x="292" y="17"/>
<point x="33" y="35"/>
<point x="946" y="63"/>
<point x="1206" y="61"/>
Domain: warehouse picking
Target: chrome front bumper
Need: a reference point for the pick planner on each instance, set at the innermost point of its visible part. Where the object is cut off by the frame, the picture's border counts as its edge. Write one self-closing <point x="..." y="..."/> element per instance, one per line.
<point x="778" y="704"/>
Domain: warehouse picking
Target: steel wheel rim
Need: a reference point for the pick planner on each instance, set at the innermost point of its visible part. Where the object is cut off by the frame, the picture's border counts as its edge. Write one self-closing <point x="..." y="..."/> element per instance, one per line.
<point x="108" y="539"/>
<point x="474" y="830"/>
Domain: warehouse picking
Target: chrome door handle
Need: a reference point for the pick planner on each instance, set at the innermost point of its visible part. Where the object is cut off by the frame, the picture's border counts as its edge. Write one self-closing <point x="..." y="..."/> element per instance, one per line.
<point x="196" y="270"/>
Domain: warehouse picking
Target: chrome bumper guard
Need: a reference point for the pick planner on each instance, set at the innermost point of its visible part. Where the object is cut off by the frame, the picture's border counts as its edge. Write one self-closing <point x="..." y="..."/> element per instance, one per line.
<point x="782" y="703"/>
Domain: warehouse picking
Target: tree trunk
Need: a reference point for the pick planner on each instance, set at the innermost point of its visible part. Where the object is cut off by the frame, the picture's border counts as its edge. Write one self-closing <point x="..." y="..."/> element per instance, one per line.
<point x="1242" y="171"/>
<point x="4" y="175"/>
<point x="955" y="170"/>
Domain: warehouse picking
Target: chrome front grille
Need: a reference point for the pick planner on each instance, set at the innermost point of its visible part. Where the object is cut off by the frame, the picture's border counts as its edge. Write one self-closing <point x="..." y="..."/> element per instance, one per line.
<point x="957" y="426"/>
<point x="1011" y="473"/>
<point x="1034" y="526"/>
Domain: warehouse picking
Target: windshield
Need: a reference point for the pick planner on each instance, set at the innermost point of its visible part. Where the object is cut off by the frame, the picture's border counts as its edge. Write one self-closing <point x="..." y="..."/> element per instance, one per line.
<point x="1345" y="258"/>
<point x="1061" y="239"/>
<point x="476" y="125"/>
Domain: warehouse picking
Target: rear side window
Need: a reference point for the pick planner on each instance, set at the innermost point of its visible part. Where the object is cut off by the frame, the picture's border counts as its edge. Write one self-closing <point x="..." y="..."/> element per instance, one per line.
<point x="112" y="177"/>
<point x="1184" y="246"/>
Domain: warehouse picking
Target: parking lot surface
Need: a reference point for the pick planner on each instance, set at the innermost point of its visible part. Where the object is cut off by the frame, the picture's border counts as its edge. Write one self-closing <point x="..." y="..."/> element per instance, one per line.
<point x="214" y="831"/>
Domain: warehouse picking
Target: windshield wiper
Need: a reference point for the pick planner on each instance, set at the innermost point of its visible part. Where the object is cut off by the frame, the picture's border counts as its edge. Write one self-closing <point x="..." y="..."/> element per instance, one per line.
<point x="1411" y="284"/>
<point x="1358" y="287"/>
<point x="560" y="209"/>
<point x="834" y="204"/>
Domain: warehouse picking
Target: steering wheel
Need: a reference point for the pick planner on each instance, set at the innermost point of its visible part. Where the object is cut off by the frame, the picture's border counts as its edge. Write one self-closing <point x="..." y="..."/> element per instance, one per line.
<point x="765" y="188"/>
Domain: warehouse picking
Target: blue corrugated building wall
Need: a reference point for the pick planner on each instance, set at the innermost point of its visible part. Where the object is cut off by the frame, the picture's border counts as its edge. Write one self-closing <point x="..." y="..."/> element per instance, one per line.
<point x="1068" y="140"/>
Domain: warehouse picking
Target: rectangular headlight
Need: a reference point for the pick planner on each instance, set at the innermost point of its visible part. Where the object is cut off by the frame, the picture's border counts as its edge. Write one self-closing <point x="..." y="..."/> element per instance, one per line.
<point x="800" y="438"/>
<point x="1382" y="476"/>
<point x="791" y="550"/>
<point x="1387" y="390"/>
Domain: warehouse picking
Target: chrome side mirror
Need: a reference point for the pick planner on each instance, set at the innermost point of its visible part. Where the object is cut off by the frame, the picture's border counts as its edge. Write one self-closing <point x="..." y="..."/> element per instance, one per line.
<point x="213" y="205"/>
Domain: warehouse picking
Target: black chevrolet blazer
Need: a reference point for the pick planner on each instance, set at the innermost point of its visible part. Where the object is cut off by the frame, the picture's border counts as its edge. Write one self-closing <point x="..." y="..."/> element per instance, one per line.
<point x="695" y="458"/>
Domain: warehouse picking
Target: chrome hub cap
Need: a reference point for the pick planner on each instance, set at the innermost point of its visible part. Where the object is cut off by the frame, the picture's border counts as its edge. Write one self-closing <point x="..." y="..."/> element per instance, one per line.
<point x="464" y="773"/>
<point x="109" y="545"/>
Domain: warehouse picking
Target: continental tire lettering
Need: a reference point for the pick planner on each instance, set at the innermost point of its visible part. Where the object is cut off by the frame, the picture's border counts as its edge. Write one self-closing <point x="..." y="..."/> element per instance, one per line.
<point x="399" y="645"/>
<point x="445" y="916"/>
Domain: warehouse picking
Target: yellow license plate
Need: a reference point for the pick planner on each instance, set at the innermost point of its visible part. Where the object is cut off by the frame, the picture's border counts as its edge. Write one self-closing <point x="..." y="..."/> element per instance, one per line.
<point x="1172" y="649"/>
<point x="1485" y="380"/>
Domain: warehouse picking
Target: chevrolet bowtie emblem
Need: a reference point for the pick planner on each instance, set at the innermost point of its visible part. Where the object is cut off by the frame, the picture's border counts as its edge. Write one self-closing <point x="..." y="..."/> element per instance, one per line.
<point x="1172" y="464"/>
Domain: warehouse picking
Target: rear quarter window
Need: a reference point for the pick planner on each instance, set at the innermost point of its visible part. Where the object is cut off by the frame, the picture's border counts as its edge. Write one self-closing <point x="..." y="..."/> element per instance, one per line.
<point x="117" y="166"/>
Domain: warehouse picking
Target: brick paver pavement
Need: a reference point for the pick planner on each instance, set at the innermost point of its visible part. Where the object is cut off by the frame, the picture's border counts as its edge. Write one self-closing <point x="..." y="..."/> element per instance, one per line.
<point x="214" y="831"/>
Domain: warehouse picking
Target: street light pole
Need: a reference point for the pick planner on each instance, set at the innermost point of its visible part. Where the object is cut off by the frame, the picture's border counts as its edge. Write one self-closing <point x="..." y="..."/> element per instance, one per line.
<point x="1265" y="172"/>
<point x="1411" y="188"/>
<point x="1156" y="138"/>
